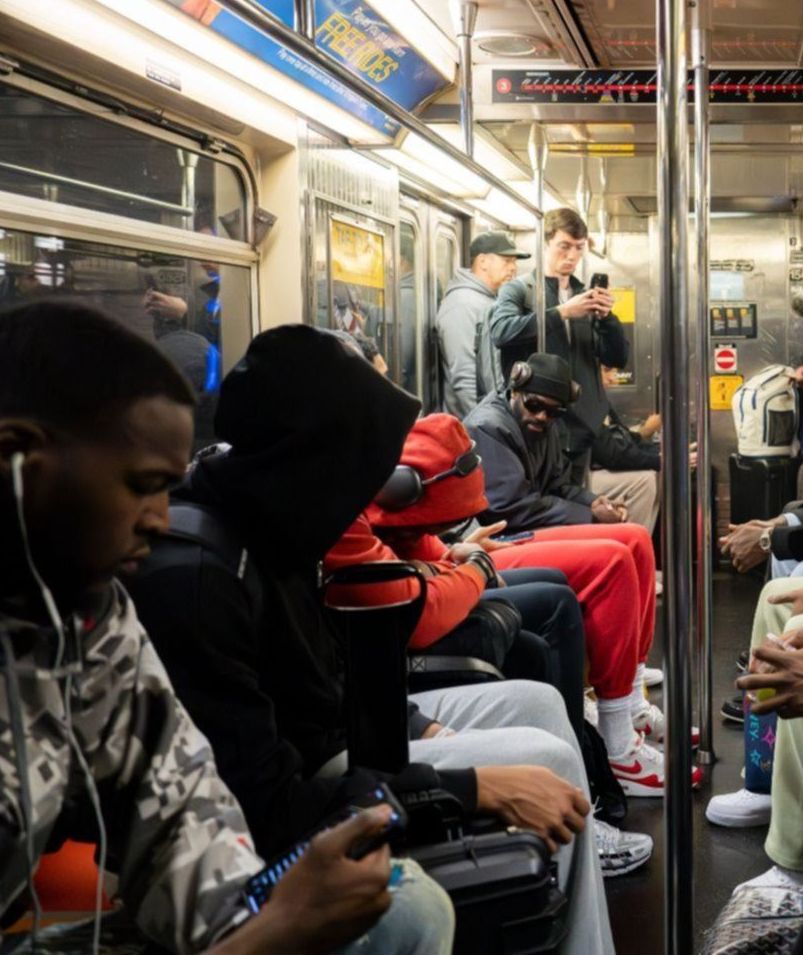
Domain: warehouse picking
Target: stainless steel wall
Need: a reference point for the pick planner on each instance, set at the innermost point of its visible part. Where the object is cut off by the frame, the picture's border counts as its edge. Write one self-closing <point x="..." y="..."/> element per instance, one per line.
<point x="760" y="247"/>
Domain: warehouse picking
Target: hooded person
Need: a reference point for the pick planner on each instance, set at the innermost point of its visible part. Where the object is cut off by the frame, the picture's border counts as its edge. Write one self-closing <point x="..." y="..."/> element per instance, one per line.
<point x="315" y="432"/>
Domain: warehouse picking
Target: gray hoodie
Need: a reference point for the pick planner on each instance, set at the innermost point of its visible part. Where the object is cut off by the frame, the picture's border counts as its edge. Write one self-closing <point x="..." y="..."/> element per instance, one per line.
<point x="467" y="302"/>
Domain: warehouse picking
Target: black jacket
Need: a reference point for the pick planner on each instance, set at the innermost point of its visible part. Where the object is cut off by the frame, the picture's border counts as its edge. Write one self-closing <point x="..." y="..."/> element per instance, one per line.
<point x="514" y="330"/>
<point x="619" y="449"/>
<point x="267" y="688"/>
<point x="527" y="480"/>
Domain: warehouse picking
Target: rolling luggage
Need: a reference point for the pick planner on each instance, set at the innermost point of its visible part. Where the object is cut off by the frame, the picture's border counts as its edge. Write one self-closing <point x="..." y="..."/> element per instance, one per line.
<point x="761" y="487"/>
<point x="503" y="890"/>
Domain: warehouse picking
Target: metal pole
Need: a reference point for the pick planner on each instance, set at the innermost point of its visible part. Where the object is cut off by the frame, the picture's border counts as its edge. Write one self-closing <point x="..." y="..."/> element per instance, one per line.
<point x="251" y="12"/>
<point x="701" y="39"/>
<point x="304" y="18"/>
<point x="464" y="17"/>
<point x="538" y="151"/>
<point x="673" y="214"/>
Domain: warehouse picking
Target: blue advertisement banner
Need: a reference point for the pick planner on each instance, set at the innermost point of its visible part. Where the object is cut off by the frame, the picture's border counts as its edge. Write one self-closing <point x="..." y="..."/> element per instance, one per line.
<point x="351" y="32"/>
<point x="273" y="54"/>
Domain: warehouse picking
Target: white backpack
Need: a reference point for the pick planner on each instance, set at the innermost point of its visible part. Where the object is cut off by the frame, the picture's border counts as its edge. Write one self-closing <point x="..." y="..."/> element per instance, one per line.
<point x="765" y="412"/>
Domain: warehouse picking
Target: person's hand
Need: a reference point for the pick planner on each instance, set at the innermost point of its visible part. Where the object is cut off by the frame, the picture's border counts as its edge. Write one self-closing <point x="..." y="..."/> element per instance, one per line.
<point x="164" y="306"/>
<point x="782" y="671"/>
<point x="650" y="426"/>
<point x="326" y="899"/>
<point x="434" y="728"/>
<point x="533" y="797"/>
<point x="794" y="597"/>
<point x="742" y="544"/>
<point x="797" y="374"/>
<point x="483" y="535"/>
<point x="596" y="300"/>
<point x="462" y="550"/>
<point x="605" y="511"/>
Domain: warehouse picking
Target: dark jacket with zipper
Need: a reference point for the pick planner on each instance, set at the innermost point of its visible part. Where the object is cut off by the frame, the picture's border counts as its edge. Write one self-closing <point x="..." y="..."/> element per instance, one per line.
<point x="594" y="341"/>
<point x="527" y="479"/>
<point x="266" y="684"/>
<point x="617" y="448"/>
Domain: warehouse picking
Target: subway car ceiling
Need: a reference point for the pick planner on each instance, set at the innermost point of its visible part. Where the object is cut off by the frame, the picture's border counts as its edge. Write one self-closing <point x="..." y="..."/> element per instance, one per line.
<point x="527" y="62"/>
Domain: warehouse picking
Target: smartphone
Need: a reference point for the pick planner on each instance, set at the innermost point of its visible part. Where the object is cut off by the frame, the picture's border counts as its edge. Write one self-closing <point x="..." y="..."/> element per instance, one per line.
<point x="599" y="280"/>
<point x="511" y="538"/>
<point x="259" y="887"/>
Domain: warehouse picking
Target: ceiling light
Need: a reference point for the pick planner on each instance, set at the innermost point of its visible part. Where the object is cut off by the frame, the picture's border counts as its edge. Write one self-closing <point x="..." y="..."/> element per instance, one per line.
<point x="432" y="162"/>
<point x="488" y="151"/>
<point x="420" y="32"/>
<point x="504" y="43"/>
<point x="502" y="207"/>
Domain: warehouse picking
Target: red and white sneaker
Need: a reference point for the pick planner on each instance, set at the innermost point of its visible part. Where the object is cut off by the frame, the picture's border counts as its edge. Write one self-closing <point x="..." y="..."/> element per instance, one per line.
<point x="640" y="770"/>
<point x="652" y="723"/>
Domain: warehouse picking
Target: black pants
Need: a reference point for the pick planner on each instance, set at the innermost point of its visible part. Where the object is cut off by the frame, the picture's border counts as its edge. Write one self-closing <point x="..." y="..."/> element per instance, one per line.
<point x="551" y="645"/>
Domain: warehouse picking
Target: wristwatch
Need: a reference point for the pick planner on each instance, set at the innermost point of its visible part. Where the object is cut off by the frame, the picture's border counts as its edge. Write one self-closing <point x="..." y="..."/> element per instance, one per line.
<point x="764" y="540"/>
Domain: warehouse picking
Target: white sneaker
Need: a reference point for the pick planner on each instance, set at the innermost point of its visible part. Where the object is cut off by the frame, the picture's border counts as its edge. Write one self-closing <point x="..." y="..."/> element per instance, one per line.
<point x="620" y="852"/>
<point x="739" y="810"/>
<point x="640" y="770"/>
<point x="778" y="877"/>
<point x="652" y="723"/>
<point x="590" y="711"/>
<point x="653" y="676"/>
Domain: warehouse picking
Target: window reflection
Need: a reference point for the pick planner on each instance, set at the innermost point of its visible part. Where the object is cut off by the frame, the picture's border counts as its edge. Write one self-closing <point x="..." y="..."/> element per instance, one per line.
<point x="195" y="311"/>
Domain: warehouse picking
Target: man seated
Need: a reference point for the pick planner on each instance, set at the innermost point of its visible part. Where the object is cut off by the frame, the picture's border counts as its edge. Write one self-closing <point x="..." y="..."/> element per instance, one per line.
<point x="95" y="744"/>
<point x="527" y="476"/>
<point x="753" y="542"/>
<point x="624" y="465"/>
<point x="314" y="432"/>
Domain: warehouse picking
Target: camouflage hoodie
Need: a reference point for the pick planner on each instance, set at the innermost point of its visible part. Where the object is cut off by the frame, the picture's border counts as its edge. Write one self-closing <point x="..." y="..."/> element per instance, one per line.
<point x="176" y="836"/>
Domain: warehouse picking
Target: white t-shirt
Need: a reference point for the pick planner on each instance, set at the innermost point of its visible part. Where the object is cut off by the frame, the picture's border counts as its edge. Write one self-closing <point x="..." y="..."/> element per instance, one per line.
<point x="564" y="294"/>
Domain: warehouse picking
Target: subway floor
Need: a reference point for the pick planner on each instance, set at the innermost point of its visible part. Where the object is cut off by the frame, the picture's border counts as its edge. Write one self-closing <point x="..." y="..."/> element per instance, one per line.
<point x="722" y="857"/>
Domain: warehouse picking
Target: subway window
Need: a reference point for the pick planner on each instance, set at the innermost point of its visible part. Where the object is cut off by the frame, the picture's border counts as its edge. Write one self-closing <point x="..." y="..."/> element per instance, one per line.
<point x="53" y="151"/>
<point x="193" y="310"/>
<point x="409" y="307"/>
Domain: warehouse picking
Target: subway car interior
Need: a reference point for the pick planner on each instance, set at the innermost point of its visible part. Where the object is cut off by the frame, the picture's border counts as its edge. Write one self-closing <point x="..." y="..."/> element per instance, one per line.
<point x="208" y="170"/>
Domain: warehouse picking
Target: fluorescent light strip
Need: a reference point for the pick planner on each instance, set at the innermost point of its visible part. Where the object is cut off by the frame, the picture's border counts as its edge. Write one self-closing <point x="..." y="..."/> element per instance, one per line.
<point x="421" y="33"/>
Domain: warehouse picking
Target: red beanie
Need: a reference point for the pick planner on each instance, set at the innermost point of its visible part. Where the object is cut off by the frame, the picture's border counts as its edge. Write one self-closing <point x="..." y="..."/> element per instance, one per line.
<point x="432" y="446"/>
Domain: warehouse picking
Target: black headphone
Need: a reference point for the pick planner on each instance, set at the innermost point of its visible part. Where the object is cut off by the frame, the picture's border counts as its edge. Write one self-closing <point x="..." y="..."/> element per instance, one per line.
<point x="522" y="372"/>
<point x="405" y="486"/>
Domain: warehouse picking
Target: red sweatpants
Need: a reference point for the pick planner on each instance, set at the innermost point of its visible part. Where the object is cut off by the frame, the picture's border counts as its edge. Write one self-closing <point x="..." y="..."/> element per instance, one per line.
<point x="611" y="568"/>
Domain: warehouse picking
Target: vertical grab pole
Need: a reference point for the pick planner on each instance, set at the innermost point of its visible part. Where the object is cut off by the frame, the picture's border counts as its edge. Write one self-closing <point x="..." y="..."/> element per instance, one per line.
<point x="701" y="40"/>
<point x="464" y="17"/>
<point x="304" y="18"/>
<point x="673" y="158"/>
<point x="538" y="151"/>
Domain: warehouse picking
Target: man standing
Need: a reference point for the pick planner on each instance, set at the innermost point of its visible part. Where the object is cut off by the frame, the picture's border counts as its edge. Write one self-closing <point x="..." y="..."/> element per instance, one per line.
<point x="528" y="479"/>
<point x="468" y="301"/>
<point x="580" y="328"/>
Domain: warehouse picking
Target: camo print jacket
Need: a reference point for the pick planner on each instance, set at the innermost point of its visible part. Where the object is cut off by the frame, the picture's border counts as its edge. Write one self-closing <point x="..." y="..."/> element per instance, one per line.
<point x="176" y="835"/>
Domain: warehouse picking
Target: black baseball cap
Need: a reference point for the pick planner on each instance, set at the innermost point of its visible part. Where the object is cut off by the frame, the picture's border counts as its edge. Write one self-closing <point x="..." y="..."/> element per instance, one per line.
<point x="498" y="243"/>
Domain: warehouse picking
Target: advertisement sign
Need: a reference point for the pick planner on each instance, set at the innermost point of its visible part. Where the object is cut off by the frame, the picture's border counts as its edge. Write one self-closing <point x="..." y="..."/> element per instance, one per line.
<point x="350" y="32"/>
<point x="273" y="54"/>
<point x="357" y="268"/>
<point x="624" y="308"/>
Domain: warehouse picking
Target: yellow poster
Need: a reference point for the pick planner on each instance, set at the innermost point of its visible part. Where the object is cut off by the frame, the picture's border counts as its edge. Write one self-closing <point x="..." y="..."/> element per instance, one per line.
<point x="624" y="305"/>
<point x="722" y="389"/>
<point x="357" y="255"/>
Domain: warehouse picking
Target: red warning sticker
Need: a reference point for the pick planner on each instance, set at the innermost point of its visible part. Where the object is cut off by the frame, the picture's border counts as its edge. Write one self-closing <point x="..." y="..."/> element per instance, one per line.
<point x="725" y="358"/>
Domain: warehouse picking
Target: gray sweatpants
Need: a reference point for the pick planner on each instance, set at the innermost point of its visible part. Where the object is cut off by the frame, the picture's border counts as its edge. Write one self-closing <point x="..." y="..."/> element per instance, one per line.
<point x="511" y="723"/>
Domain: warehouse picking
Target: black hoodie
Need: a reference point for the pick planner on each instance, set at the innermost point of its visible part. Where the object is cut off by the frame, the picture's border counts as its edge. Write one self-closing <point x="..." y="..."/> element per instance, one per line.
<point x="315" y="431"/>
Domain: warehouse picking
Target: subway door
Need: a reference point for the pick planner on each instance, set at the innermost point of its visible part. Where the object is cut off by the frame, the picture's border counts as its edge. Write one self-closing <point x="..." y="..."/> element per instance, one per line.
<point x="355" y="284"/>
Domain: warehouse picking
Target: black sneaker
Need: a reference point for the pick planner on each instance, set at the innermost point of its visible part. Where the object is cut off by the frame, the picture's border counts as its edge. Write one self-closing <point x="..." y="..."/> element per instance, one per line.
<point x="743" y="661"/>
<point x="732" y="709"/>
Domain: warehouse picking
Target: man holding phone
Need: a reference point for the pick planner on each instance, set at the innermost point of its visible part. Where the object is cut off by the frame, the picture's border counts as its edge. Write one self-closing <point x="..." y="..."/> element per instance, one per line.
<point x="580" y="328"/>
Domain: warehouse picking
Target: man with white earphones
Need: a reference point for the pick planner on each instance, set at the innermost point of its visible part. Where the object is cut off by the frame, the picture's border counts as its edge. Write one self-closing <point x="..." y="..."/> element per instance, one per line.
<point x="95" y="426"/>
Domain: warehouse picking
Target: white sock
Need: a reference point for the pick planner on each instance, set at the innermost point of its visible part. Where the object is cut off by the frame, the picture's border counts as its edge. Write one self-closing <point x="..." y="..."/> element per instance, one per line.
<point x="637" y="699"/>
<point x="616" y="725"/>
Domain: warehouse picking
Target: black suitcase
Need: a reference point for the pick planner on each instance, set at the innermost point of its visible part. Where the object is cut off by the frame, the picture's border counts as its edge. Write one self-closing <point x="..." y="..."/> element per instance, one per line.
<point x="761" y="487"/>
<point x="503" y="890"/>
